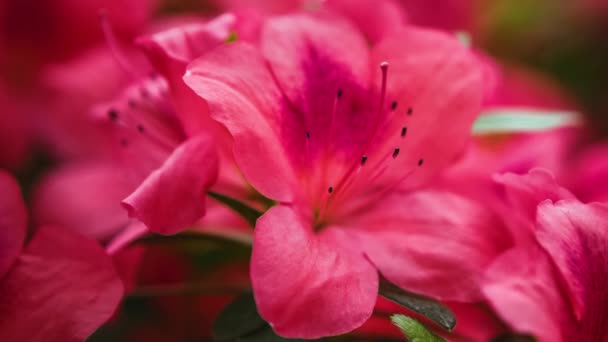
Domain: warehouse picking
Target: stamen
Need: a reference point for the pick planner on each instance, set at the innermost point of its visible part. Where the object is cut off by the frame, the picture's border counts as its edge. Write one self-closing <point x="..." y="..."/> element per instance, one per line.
<point x="340" y="93"/>
<point x="363" y="160"/>
<point x="420" y="162"/>
<point x="124" y="142"/>
<point x="330" y="189"/>
<point x="113" y="45"/>
<point x="395" y="152"/>
<point x="410" y="111"/>
<point x="307" y="135"/>
<point x="394" y="105"/>
<point x="403" y="131"/>
<point x="113" y="114"/>
<point x="140" y="128"/>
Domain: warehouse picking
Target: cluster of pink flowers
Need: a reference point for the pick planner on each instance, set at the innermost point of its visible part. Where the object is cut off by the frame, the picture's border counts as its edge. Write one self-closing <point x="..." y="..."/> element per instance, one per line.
<point x="333" y="139"/>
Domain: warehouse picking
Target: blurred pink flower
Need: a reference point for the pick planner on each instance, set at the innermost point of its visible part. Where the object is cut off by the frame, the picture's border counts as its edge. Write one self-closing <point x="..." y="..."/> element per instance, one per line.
<point x="59" y="287"/>
<point x="560" y="296"/>
<point x="332" y="131"/>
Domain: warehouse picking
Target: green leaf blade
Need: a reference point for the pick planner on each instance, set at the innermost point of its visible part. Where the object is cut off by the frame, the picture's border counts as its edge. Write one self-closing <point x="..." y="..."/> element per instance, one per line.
<point x="519" y="120"/>
<point x="413" y="330"/>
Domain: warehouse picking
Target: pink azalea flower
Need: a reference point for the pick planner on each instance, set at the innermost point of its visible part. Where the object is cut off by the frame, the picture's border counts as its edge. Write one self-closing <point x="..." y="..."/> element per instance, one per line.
<point x="332" y="131"/>
<point x="560" y="296"/>
<point x="60" y="286"/>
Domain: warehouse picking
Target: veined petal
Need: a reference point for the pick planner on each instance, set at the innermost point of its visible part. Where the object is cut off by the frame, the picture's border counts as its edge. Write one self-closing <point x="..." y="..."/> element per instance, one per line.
<point x="522" y="288"/>
<point x="309" y="285"/>
<point x="436" y="85"/>
<point x="242" y="95"/>
<point x="432" y="243"/>
<point x="62" y="288"/>
<point x="173" y="196"/>
<point x="574" y="235"/>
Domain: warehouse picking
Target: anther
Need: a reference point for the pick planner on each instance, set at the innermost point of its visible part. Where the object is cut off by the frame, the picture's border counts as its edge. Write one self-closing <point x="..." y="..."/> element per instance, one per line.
<point x="396" y="152"/>
<point x="340" y="93"/>
<point x="140" y="128"/>
<point x="410" y="111"/>
<point x="124" y="142"/>
<point x="403" y="131"/>
<point x="132" y="104"/>
<point x="307" y="135"/>
<point x="420" y="162"/>
<point x="330" y="189"/>
<point x="363" y="160"/>
<point x="394" y="105"/>
<point x="113" y="114"/>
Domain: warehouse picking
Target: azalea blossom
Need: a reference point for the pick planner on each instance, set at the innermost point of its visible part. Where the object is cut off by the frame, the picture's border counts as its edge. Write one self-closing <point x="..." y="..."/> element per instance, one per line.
<point x="58" y="286"/>
<point x="333" y="130"/>
<point x="560" y="296"/>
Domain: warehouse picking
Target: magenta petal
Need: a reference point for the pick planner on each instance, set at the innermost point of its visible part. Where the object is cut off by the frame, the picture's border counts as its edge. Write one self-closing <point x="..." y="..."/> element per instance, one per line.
<point x="64" y="199"/>
<point x="437" y="86"/>
<point x="520" y="285"/>
<point x="242" y="95"/>
<point x="62" y="288"/>
<point x="375" y="19"/>
<point x="173" y="196"/>
<point x="522" y="194"/>
<point x="13" y="221"/>
<point x="432" y="243"/>
<point x="309" y="285"/>
<point x="574" y="235"/>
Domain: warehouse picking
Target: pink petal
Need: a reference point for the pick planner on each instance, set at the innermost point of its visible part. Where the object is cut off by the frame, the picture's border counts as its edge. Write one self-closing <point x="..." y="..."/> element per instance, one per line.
<point x="522" y="194"/>
<point x="64" y="199"/>
<point x="574" y="235"/>
<point x="172" y="50"/>
<point x="241" y="94"/>
<point x="432" y="243"/>
<point x="13" y="221"/>
<point x="308" y="285"/>
<point x="375" y="19"/>
<point x="437" y="85"/>
<point x="521" y="287"/>
<point x="173" y="196"/>
<point x="303" y="48"/>
<point x="61" y="288"/>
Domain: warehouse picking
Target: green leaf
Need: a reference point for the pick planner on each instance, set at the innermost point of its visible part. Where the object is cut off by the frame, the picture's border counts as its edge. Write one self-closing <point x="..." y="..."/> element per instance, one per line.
<point x="512" y="120"/>
<point x="239" y="318"/>
<point x="248" y="213"/>
<point x="240" y="321"/>
<point x="427" y="307"/>
<point x="413" y="330"/>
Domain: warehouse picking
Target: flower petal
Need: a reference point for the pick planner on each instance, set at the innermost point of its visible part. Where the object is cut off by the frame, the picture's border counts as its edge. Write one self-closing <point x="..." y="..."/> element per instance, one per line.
<point x="173" y="196"/>
<point x="574" y="235"/>
<point x="436" y="85"/>
<point x="525" y="294"/>
<point x="308" y="285"/>
<point x="375" y="19"/>
<point x="432" y="243"/>
<point x="241" y="94"/>
<point x="172" y="50"/>
<point x="13" y="221"/>
<point x="522" y="194"/>
<point x="64" y="199"/>
<point x="61" y="288"/>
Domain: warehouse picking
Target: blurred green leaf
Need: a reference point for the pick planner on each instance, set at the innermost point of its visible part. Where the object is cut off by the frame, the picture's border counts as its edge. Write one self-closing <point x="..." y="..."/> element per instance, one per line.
<point x="413" y="330"/>
<point x="248" y="213"/>
<point x="240" y="321"/>
<point x="427" y="307"/>
<point x="523" y="120"/>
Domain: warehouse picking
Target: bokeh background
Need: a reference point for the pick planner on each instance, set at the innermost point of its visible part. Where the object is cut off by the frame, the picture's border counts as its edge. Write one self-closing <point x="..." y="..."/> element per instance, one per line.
<point x="55" y="65"/>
